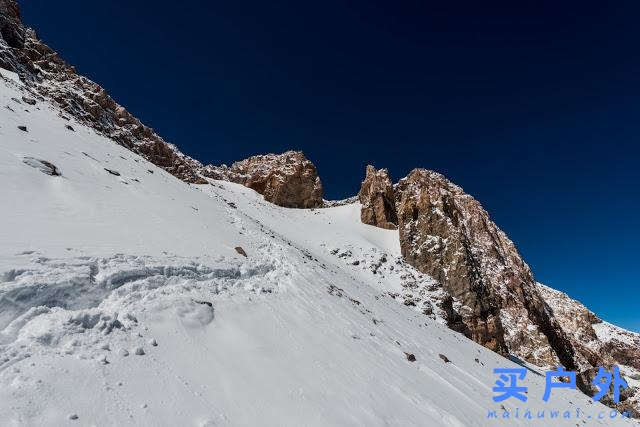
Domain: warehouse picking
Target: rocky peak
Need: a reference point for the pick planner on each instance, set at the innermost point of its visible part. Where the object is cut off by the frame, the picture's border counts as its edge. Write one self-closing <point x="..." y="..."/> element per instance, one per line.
<point x="448" y="235"/>
<point x="377" y="199"/>
<point x="288" y="179"/>
<point x="490" y="294"/>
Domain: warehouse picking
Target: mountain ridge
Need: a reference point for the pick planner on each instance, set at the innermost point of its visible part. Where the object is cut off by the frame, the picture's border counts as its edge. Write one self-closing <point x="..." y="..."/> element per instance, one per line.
<point x="482" y="283"/>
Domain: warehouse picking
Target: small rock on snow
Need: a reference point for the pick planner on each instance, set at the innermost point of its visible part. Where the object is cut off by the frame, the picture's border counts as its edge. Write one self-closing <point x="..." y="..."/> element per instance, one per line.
<point x="43" y="166"/>
<point x="23" y="128"/>
<point x="410" y="357"/>
<point x="29" y="101"/>
<point x="444" y="358"/>
<point x="140" y="351"/>
<point x="240" y="251"/>
<point x="153" y="342"/>
<point x="73" y="416"/>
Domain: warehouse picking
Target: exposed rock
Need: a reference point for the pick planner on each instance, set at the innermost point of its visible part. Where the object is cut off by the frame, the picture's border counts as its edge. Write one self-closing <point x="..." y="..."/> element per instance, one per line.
<point x="444" y="358"/>
<point x="377" y="199"/>
<point x="448" y="235"/>
<point x="42" y="165"/>
<point x="112" y="172"/>
<point x="240" y="251"/>
<point x="288" y="179"/>
<point x="29" y="101"/>
<point x="23" y="128"/>
<point x="342" y="202"/>
<point x="410" y="357"/>
<point x="492" y="296"/>
<point x="11" y="29"/>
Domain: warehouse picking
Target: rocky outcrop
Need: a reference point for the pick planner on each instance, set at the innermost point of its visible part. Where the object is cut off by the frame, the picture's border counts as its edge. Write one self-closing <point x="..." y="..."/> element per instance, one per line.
<point x="10" y="24"/>
<point x="377" y="199"/>
<point x="448" y="235"/>
<point x="288" y="179"/>
<point x="45" y="74"/>
<point x="491" y="295"/>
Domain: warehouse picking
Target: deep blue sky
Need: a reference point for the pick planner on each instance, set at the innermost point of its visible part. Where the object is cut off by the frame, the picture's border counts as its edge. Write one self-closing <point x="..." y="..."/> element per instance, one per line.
<point x="532" y="107"/>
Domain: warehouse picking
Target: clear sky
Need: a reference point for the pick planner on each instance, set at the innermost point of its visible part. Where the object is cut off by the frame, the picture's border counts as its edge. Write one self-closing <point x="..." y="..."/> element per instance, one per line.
<point x="532" y="107"/>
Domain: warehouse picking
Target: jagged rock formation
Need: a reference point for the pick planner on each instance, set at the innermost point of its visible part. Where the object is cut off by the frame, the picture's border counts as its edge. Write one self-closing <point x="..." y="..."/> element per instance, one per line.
<point x="288" y="179"/>
<point x="490" y="294"/>
<point x="448" y="235"/>
<point x="46" y="75"/>
<point x="377" y="199"/>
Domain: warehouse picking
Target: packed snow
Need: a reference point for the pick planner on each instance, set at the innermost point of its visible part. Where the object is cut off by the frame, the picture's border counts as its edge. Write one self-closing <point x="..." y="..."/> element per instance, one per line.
<point x="124" y="301"/>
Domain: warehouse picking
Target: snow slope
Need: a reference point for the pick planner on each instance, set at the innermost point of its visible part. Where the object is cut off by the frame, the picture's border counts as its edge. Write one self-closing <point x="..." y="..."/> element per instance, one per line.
<point x="124" y="302"/>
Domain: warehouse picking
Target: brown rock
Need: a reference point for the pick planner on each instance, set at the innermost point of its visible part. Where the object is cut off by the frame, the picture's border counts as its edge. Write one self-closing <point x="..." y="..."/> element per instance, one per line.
<point x="240" y="251"/>
<point x="410" y="357"/>
<point x="377" y="199"/>
<point x="448" y="235"/>
<point x="11" y="29"/>
<point x="288" y="179"/>
<point x="491" y="293"/>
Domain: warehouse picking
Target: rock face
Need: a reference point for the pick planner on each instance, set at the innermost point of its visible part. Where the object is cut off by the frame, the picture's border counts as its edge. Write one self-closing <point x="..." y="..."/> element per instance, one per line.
<point x="378" y="200"/>
<point x="491" y="295"/>
<point x="45" y="74"/>
<point x="10" y="24"/>
<point x="288" y="179"/>
<point x="448" y="235"/>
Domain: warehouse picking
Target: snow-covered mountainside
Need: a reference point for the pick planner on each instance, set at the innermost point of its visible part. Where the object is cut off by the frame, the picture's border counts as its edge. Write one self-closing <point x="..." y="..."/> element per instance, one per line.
<point x="141" y="275"/>
<point x="126" y="298"/>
